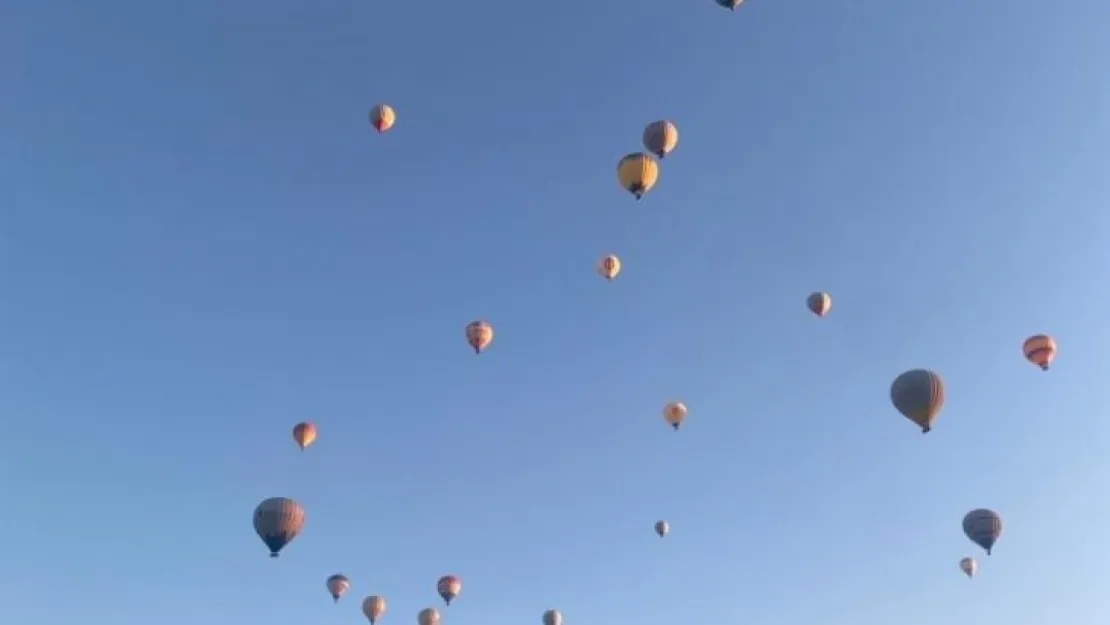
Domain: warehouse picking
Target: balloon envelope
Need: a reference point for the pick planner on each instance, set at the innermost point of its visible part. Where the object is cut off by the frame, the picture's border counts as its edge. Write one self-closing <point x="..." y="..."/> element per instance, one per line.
<point x="373" y="607"/>
<point x="1040" y="349"/>
<point x="983" y="527"/>
<point x="969" y="566"/>
<point x="338" y="585"/>
<point x="552" y="617"/>
<point x="662" y="528"/>
<point x="277" y="521"/>
<point x="448" y="588"/>
<point x="919" y="395"/>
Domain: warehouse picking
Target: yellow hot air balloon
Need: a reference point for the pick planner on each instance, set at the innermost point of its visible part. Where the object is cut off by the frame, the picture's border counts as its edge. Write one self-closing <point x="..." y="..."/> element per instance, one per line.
<point x="609" y="266"/>
<point x="660" y="138"/>
<point x="674" y="413"/>
<point x="428" y="616"/>
<point x="479" y="334"/>
<point x="637" y="173"/>
<point x="373" y="608"/>
<point x="382" y="117"/>
<point x="1040" y="349"/>
<point x="819" y="303"/>
<point x="304" y="434"/>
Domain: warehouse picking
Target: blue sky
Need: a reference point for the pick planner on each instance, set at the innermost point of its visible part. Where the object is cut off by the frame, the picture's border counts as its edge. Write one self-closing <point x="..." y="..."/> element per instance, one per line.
<point x="202" y="243"/>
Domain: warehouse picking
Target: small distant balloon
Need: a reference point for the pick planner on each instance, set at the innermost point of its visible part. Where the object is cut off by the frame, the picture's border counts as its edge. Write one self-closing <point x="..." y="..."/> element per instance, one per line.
<point x="819" y="303"/>
<point x="382" y="117"/>
<point x="1040" y="349"/>
<point x="660" y="138"/>
<point x="277" y="521"/>
<point x="304" y="434"/>
<point x="662" y="528"/>
<point x="552" y="617"/>
<point x="969" y="566"/>
<point x="449" y="588"/>
<point x="919" y="395"/>
<point x="479" y="334"/>
<point x="731" y="5"/>
<point x="637" y="173"/>
<point x="674" y="414"/>
<point x="373" y="608"/>
<point x="338" y="585"/>
<point x="428" y="616"/>
<point x="983" y="527"/>
<point x="609" y="266"/>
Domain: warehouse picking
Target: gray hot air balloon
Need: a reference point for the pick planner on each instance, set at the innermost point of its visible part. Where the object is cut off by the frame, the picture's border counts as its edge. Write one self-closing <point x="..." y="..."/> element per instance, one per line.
<point x="919" y="395"/>
<point x="552" y="617"/>
<point x="983" y="527"/>
<point x="278" y="520"/>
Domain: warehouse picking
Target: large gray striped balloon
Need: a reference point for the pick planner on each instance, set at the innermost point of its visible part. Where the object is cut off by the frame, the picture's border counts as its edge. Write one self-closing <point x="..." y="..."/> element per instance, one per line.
<point x="919" y="395"/>
<point x="983" y="527"/>
<point x="278" y="520"/>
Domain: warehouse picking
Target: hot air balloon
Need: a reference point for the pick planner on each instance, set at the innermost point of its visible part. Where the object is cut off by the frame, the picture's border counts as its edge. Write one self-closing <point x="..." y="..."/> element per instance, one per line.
<point x="674" y="413"/>
<point x="609" y="266"/>
<point x="428" y="616"/>
<point x="637" y="173"/>
<point x="983" y="527"/>
<point x="660" y="138"/>
<point x="969" y="566"/>
<point x="373" y="607"/>
<point x="730" y="4"/>
<point x="662" y="528"/>
<point x="304" y="433"/>
<point x="448" y="587"/>
<point x="919" y="395"/>
<point x="1040" y="349"/>
<point x="552" y="617"/>
<point x="382" y="117"/>
<point x="819" y="303"/>
<point x="278" y="521"/>
<point x="338" y="585"/>
<point x="479" y="334"/>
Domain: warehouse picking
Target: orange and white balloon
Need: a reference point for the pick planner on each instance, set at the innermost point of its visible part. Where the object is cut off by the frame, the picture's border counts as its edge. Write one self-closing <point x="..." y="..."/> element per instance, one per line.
<point x="304" y="434"/>
<point x="819" y="303"/>
<point x="1040" y="349"/>
<point x="479" y="334"/>
<point x="382" y="117"/>
<point x="609" y="266"/>
<point x="674" y="414"/>
<point x="373" y="608"/>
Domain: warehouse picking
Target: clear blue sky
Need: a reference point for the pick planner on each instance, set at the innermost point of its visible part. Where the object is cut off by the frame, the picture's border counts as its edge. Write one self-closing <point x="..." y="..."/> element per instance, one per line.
<point x="202" y="242"/>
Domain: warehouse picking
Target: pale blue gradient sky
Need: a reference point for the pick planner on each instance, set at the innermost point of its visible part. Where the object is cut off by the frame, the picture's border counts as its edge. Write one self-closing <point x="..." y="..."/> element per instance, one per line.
<point x="202" y="242"/>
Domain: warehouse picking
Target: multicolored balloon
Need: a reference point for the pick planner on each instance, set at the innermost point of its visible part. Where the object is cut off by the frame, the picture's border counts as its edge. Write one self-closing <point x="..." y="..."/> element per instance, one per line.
<point x="304" y="434"/>
<point x="479" y="334"/>
<point x="919" y="395"/>
<point x="373" y="608"/>
<point x="449" y="588"/>
<point x="660" y="138"/>
<point x="674" y="414"/>
<point x="983" y="527"/>
<point x="1040" y="349"/>
<point x="277" y="521"/>
<point x="382" y="117"/>
<point x="608" y="267"/>
<point x="338" y="585"/>
<point x="819" y="303"/>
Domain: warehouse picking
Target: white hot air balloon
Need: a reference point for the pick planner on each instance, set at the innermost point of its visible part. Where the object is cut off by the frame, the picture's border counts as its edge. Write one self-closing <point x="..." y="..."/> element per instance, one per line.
<point x="969" y="566"/>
